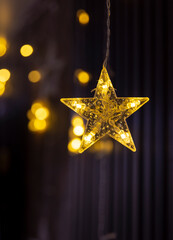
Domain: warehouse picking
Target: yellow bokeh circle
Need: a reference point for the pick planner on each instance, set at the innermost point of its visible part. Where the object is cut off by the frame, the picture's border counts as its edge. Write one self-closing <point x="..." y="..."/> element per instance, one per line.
<point x="74" y="145"/>
<point x="26" y="50"/>
<point x="35" y="106"/>
<point x="34" y="76"/>
<point x="78" y="130"/>
<point x="3" y="46"/>
<point x="40" y="125"/>
<point x="83" y="77"/>
<point x="2" y="88"/>
<point x="77" y="121"/>
<point x="83" y="17"/>
<point x="42" y="113"/>
<point x="4" y="75"/>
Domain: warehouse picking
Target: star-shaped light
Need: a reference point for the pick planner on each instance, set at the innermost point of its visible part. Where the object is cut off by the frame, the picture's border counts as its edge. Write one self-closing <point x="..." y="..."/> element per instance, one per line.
<point x="105" y="113"/>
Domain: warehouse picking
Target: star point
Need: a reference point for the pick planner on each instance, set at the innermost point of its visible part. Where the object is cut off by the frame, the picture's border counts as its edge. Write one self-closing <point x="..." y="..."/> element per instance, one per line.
<point x="105" y="113"/>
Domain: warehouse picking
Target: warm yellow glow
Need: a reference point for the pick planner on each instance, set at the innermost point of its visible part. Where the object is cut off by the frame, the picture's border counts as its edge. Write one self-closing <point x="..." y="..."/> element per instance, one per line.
<point x="30" y="115"/>
<point x="123" y="136"/>
<point x="2" y="88"/>
<point x="88" y="137"/>
<point x="82" y="76"/>
<point x="78" y="130"/>
<point x="3" y="41"/>
<point x="3" y="50"/>
<point x="83" y="17"/>
<point x="34" y="76"/>
<point x="4" y="75"/>
<point x="74" y="145"/>
<point x="77" y="121"/>
<point x="3" y="46"/>
<point x="106" y="113"/>
<point x="78" y="106"/>
<point x="133" y="104"/>
<point x="26" y="50"/>
<point x="42" y="113"/>
<point x="40" y="125"/>
<point x="105" y="86"/>
<point x="35" y="106"/>
<point x="31" y="126"/>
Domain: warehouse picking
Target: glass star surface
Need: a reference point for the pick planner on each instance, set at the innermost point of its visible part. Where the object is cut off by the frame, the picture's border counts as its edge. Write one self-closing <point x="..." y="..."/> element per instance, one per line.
<point x="105" y="113"/>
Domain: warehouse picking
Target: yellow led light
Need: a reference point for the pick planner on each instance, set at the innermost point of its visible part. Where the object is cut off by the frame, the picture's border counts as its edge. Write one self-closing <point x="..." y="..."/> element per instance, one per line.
<point x="35" y="106"/>
<point x="42" y="113"/>
<point x="40" y="125"/>
<point x="3" y="46"/>
<point x="83" y="17"/>
<point x="104" y="86"/>
<point x="106" y="113"/>
<point x="87" y="138"/>
<point x="77" y="121"/>
<point x="82" y="76"/>
<point x="133" y="104"/>
<point x="4" y="75"/>
<point x="78" y="106"/>
<point x="123" y="136"/>
<point x="34" y="76"/>
<point x="78" y="130"/>
<point x="26" y="50"/>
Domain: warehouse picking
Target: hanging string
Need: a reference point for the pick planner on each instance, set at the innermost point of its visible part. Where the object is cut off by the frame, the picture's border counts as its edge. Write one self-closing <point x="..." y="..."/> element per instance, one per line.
<point x="108" y="33"/>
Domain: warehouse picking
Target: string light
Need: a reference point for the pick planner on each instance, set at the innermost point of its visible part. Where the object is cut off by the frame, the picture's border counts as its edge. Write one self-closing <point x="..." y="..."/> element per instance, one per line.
<point x="106" y="113"/>
<point x="34" y="76"/>
<point x="26" y="50"/>
<point x="83" y="17"/>
<point x="4" y="75"/>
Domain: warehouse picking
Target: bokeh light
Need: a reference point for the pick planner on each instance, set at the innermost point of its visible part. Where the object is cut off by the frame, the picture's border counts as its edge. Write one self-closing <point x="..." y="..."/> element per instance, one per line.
<point x="35" y="106"/>
<point x="42" y="113"/>
<point x="82" y="76"/>
<point x="30" y="115"/>
<point x="74" y="145"/>
<point x="3" y="46"/>
<point x="2" y="88"/>
<point x="31" y="126"/>
<point x="77" y="121"/>
<point x="38" y="116"/>
<point x="34" y="76"/>
<point x="26" y="50"/>
<point x="83" y="17"/>
<point x="78" y="130"/>
<point x="40" y="125"/>
<point x="4" y="75"/>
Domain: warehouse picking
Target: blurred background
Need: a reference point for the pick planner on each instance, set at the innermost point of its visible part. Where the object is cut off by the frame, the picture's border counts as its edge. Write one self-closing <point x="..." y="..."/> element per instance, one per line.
<point x="51" y="49"/>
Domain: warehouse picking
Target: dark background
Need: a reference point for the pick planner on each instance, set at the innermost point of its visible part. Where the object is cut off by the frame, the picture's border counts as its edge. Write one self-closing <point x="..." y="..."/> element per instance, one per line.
<point x="46" y="194"/>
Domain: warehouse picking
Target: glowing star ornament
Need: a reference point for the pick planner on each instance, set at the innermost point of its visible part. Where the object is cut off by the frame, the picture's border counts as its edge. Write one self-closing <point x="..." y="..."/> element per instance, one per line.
<point x="105" y="113"/>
